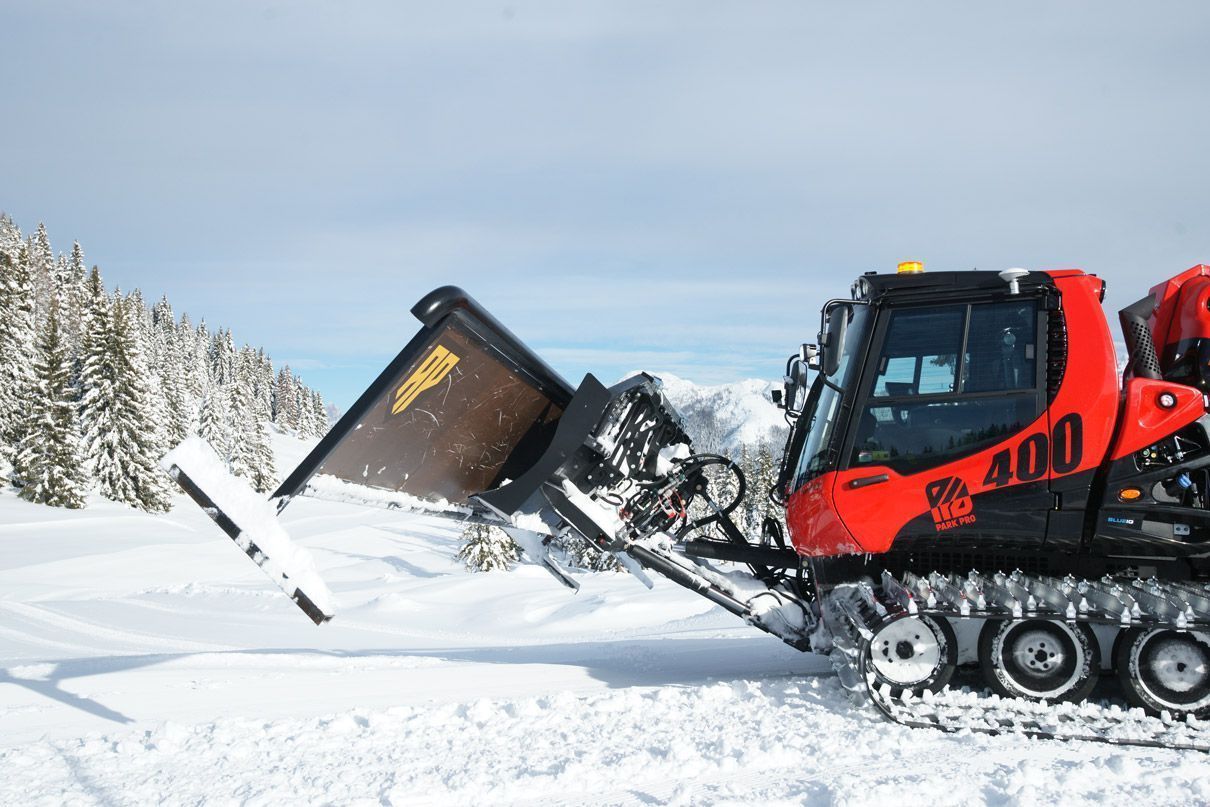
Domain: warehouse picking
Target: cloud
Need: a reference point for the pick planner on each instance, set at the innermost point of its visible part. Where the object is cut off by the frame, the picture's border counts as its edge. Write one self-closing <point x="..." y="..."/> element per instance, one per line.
<point x="685" y="180"/>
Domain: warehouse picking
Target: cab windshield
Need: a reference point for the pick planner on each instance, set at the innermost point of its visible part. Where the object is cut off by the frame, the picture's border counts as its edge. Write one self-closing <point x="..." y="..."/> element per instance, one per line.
<point x="819" y="415"/>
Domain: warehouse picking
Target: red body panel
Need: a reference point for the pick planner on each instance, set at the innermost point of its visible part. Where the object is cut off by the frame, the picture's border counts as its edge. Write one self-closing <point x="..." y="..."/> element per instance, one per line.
<point x="815" y="528"/>
<point x="1090" y="385"/>
<point x="875" y="515"/>
<point x="828" y="516"/>
<point x="1182" y="308"/>
<point x="1145" y="422"/>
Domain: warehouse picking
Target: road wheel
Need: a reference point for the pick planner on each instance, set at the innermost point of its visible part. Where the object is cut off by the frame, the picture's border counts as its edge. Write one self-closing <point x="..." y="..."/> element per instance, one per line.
<point x="914" y="653"/>
<point x="1039" y="659"/>
<point x="1165" y="670"/>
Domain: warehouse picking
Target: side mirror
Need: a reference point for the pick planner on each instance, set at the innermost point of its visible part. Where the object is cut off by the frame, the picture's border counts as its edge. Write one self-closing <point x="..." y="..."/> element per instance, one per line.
<point x="793" y="396"/>
<point x="838" y="324"/>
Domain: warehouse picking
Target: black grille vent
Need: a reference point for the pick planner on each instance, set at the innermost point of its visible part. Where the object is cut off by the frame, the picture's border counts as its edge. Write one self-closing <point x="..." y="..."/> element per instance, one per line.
<point x="1142" y="359"/>
<point x="1056" y="352"/>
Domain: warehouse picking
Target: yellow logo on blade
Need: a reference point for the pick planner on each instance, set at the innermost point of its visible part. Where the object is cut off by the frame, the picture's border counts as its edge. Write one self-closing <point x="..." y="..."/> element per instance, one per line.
<point x="434" y="368"/>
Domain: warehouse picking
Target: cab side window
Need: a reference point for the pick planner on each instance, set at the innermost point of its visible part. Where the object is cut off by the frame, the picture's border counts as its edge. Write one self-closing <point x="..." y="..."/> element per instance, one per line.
<point x="950" y="380"/>
<point x="920" y="353"/>
<point x="1000" y="350"/>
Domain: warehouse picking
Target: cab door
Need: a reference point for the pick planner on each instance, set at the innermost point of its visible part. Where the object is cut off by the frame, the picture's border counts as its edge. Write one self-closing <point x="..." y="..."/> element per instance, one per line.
<point x="950" y="386"/>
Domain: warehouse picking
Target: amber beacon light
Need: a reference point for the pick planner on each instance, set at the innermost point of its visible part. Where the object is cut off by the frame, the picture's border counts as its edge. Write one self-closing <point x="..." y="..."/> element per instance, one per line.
<point x="911" y="268"/>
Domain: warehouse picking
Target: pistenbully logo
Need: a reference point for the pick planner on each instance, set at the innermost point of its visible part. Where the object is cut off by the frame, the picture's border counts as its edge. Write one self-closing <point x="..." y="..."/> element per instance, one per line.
<point x="436" y="366"/>
<point x="950" y="503"/>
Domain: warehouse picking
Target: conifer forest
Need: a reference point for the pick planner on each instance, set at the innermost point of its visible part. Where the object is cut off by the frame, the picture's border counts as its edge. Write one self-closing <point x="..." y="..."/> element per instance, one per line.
<point x="97" y="384"/>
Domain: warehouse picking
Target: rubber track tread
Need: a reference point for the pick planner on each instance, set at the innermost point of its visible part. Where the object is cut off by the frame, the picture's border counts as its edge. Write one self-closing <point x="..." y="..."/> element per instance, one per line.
<point x="854" y="613"/>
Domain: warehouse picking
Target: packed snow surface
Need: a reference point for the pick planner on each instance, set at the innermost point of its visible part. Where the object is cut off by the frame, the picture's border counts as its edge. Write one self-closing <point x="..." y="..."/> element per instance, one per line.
<point x="144" y="659"/>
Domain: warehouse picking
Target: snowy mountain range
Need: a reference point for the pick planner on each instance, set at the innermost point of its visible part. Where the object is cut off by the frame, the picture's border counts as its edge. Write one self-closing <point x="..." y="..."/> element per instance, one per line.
<point x="727" y="416"/>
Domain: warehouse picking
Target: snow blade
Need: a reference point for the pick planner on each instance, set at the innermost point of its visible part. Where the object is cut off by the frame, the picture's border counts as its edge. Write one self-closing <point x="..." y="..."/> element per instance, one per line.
<point x="464" y="407"/>
<point x="251" y="523"/>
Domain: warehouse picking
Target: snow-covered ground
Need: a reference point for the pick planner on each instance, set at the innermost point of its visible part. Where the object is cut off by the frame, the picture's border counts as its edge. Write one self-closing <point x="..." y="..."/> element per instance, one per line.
<point x="144" y="659"/>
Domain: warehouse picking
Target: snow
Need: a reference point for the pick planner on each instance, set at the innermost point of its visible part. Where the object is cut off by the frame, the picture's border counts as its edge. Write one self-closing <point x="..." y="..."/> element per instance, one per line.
<point x="143" y="659"/>
<point x="331" y="488"/>
<point x="742" y="412"/>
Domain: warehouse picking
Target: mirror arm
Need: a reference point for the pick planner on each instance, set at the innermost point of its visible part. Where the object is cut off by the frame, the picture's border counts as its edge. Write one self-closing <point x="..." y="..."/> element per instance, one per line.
<point x="827" y="339"/>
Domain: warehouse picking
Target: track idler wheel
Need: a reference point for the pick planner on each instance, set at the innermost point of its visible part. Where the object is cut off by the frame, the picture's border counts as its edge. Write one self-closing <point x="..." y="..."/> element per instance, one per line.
<point x="1039" y="659"/>
<point x="1165" y="670"/>
<point x="914" y="654"/>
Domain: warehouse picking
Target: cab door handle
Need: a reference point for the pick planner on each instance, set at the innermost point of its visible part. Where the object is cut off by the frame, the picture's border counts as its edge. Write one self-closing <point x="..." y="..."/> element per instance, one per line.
<point x="866" y="481"/>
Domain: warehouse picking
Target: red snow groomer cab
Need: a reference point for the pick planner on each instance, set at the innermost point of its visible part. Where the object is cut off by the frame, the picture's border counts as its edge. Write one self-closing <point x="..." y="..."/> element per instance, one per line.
<point x="967" y="427"/>
<point x="972" y="487"/>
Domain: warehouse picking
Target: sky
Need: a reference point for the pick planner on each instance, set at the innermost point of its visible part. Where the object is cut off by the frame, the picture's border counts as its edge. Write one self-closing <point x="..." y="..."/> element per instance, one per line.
<point x="667" y="186"/>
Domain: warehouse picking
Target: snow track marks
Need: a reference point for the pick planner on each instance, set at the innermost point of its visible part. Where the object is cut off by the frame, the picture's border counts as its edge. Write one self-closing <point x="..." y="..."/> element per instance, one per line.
<point x="741" y="741"/>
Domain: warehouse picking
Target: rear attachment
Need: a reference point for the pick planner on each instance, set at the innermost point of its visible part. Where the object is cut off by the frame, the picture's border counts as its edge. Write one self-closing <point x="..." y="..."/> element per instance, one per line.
<point x="463" y="408"/>
<point x="467" y="423"/>
<point x="894" y="645"/>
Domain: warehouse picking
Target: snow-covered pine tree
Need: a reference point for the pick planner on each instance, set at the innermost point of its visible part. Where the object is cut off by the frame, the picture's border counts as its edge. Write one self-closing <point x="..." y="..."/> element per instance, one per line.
<point x="250" y="454"/>
<point x="239" y="454"/>
<point x="47" y="464"/>
<point x="214" y="421"/>
<point x="141" y="414"/>
<point x="61" y="294"/>
<point x="320" y="414"/>
<point x="17" y="349"/>
<point x="166" y="361"/>
<point x="311" y="421"/>
<point x="42" y="269"/>
<point x="10" y="237"/>
<point x="263" y="470"/>
<point x="189" y="343"/>
<point x="745" y="516"/>
<point x="485" y="548"/>
<point x="580" y="555"/>
<point x="214" y="363"/>
<point x="139" y="313"/>
<point x="259" y="369"/>
<point x="302" y="407"/>
<point x="285" y="400"/>
<point x="265" y="382"/>
<point x="141" y="330"/>
<point x="222" y="357"/>
<point x="72" y="317"/>
<point x="766" y="474"/>
<point x="97" y="373"/>
<point x="123" y="441"/>
<point x="721" y="487"/>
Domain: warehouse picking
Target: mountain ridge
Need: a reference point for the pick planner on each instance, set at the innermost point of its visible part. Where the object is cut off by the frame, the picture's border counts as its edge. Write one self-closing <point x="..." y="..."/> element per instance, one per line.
<point x="725" y="417"/>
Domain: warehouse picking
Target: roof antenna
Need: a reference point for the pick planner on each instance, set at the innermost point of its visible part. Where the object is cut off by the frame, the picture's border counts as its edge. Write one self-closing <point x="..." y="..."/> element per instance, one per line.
<point x="1012" y="277"/>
